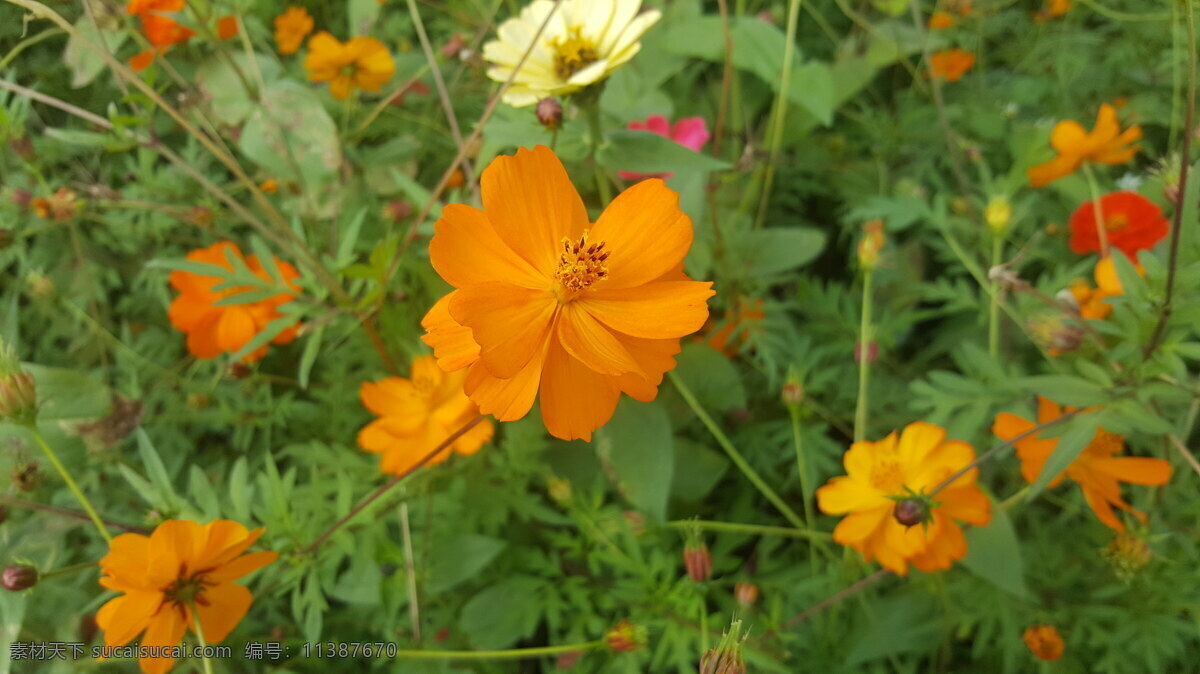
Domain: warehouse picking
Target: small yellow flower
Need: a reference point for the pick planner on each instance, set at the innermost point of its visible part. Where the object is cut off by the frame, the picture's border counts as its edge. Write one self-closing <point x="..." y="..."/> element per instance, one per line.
<point x="360" y="63"/>
<point x="998" y="214"/>
<point x="582" y="45"/>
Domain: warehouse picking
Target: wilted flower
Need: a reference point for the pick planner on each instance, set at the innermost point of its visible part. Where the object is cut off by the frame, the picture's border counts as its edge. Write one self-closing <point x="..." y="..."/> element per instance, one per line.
<point x="882" y="474"/>
<point x="1043" y="641"/>
<point x="726" y="656"/>
<point x="361" y="63"/>
<point x="63" y="205"/>
<point x="696" y="558"/>
<point x="870" y="245"/>
<point x="1097" y="471"/>
<point x="290" y="29"/>
<point x="417" y="414"/>
<point x="547" y="304"/>
<point x="1128" y="554"/>
<point x="583" y="45"/>
<point x="1104" y="144"/>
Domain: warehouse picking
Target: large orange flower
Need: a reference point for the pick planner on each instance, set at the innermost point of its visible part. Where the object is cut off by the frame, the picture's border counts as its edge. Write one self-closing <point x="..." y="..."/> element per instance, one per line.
<point x="360" y="63"/>
<point x="951" y="64"/>
<point x="1104" y="144"/>
<point x="547" y="301"/>
<point x="881" y="474"/>
<point x="1093" y="302"/>
<point x="161" y="30"/>
<point x="213" y="329"/>
<point x="181" y="573"/>
<point x="290" y="29"/>
<point x="418" y="414"/>
<point x="1131" y="222"/>
<point x="1096" y="470"/>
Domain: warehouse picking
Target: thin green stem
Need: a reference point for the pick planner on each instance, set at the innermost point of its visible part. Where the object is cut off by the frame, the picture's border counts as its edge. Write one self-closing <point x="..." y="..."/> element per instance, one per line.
<point x="597" y="135"/>
<point x="67" y="570"/>
<point x="734" y="455"/>
<point x="864" y="360"/>
<point x="27" y="43"/>
<point x="994" y="306"/>
<point x="1016" y="498"/>
<point x="1101" y="229"/>
<point x="700" y="604"/>
<point x="62" y="471"/>
<point x="199" y="630"/>
<point x="779" y="118"/>
<point x="802" y="468"/>
<point x="509" y="654"/>
<point x="749" y="529"/>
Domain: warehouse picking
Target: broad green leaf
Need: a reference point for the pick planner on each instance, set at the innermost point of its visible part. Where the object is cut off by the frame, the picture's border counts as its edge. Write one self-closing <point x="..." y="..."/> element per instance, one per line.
<point x="758" y="45"/>
<point x="1079" y="432"/>
<point x="458" y="558"/>
<point x="12" y="616"/>
<point x="646" y="152"/>
<point x="638" y="448"/>
<point x="813" y="89"/>
<point x="362" y="14"/>
<point x="1065" y="389"/>
<point x="700" y="470"/>
<point x="711" y="377"/>
<point x="292" y="137"/>
<point x="84" y="63"/>
<point x="218" y="79"/>
<point x="504" y="613"/>
<point x="994" y="554"/>
<point x="66" y="395"/>
<point x="765" y="252"/>
<point x="901" y="624"/>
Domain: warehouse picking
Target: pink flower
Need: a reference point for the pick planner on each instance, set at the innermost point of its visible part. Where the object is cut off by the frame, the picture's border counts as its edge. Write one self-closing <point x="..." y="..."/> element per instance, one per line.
<point x="690" y="132"/>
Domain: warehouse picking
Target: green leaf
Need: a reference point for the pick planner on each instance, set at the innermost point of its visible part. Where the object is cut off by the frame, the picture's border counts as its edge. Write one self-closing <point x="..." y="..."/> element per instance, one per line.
<point x="67" y="395"/>
<point x="230" y="102"/>
<point x="711" y="377"/>
<point x="240" y="490"/>
<point x="766" y="252"/>
<point x="291" y="130"/>
<point x="704" y="469"/>
<point x="156" y="471"/>
<point x="362" y="14"/>
<point x="638" y="448"/>
<point x="1079" y="432"/>
<point x="646" y="152"/>
<point x="903" y="624"/>
<point x="1066" y="389"/>
<point x="191" y="267"/>
<point x="203" y="494"/>
<point x="994" y="554"/>
<point x="813" y="89"/>
<point x="758" y="45"/>
<point x="459" y="558"/>
<point x="271" y="331"/>
<point x="84" y="63"/>
<point x="504" y="613"/>
<point x="12" y="616"/>
<point x="312" y="347"/>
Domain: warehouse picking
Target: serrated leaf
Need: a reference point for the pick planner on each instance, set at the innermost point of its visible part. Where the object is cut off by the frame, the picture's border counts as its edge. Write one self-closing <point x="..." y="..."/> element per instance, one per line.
<point x="269" y="332"/>
<point x="191" y="267"/>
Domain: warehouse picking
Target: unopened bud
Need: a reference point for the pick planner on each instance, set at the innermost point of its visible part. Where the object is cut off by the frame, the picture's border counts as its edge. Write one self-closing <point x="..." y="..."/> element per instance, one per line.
<point x="559" y="490"/>
<point x="746" y="594"/>
<point x="792" y="393"/>
<point x="626" y="637"/>
<point x="17" y="577"/>
<point x="726" y="657"/>
<point x="698" y="562"/>
<point x="1171" y="194"/>
<point x="454" y="46"/>
<point x="39" y="284"/>
<point x="1055" y="333"/>
<point x="239" y="370"/>
<point x="18" y="393"/>
<point x="910" y="512"/>
<point x="550" y="113"/>
<point x="397" y="210"/>
<point x="998" y="214"/>
<point x="269" y="186"/>
<point x="870" y="245"/>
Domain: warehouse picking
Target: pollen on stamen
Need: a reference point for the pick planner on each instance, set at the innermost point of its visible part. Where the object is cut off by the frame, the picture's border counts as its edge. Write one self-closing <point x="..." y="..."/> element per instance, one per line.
<point x="581" y="263"/>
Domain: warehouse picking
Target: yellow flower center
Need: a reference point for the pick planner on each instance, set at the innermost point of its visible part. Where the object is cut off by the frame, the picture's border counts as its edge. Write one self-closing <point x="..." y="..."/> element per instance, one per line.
<point x="887" y="477"/>
<point x="425" y="386"/>
<point x="573" y="54"/>
<point x="1115" y="221"/>
<point x="580" y="264"/>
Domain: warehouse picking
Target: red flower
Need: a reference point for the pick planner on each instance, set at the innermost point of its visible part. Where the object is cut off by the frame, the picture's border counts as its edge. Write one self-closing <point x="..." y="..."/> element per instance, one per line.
<point x="1132" y="222"/>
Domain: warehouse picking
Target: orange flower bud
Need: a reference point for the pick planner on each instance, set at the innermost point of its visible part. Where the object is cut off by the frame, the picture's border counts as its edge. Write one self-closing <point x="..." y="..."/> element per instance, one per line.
<point x="625" y="637"/>
<point x="745" y="593"/>
<point x="1043" y="641"/>
<point x="698" y="562"/>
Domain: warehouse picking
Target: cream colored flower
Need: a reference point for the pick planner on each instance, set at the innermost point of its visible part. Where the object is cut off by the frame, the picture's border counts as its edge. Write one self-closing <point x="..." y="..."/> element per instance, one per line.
<point x="583" y="43"/>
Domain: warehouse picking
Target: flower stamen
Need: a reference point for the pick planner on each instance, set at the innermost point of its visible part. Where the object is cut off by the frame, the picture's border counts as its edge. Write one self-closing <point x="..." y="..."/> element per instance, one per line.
<point x="573" y="54"/>
<point x="581" y="263"/>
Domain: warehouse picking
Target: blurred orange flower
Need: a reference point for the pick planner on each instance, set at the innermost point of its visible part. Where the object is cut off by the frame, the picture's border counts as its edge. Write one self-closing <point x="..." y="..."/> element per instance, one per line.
<point x="361" y="63"/>
<point x="161" y="31"/>
<point x="213" y="329"/>
<point x="951" y="64"/>
<point x="1104" y="144"/>
<point x="269" y="186"/>
<point x="1096" y="470"/>
<point x="941" y="21"/>
<point x="181" y="573"/>
<point x="290" y="29"/>
<point x="417" y="414"/>
<point x="227" y="27"/>
<point x="62" y="205"/>
<point x="882" y="474"/>
<point x="1131" y="222"/>
<point x="1053" y="10"/>
<point x="739" y="323"/>
<point x="1043" y="641"/>
<point x="1092" y="301"/>
<point x="546" y="301"/>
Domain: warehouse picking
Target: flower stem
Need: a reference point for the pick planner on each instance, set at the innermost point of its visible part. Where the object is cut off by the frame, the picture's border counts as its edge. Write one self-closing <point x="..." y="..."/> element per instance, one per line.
<point x="805" y="494"/>
<point x="597" y="135"/>
<point x="199" y="630"/>
<point x="734" y="455"/>
<point x="1097" y="209"/>
<point x="700" y="604"/>
<point x="749" y="529"/>
<point x="66" y="570"/>
<point x="62" y="471"/>
<point x="864" y="359"/>
<point x="994" y="306"/>
<point x="509" y="654"/>
<point x="779" y="117"/>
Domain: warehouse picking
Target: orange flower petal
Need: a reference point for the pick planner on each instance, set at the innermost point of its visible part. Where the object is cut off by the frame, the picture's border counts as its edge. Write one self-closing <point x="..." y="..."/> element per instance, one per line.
<point x="661" y="310"/>
<point x="452" y="342"/>
<point x="506" y="399"/>
<point x="236" y="568"/>
<point x="575" y="400"/>
<point x="466" y="249"/>
<point x="857" y="526"/>
<point x="225" y="606"/>
<point x="1059" y="167"/>
<point x="592" y="344"/>
<point x="965" y="504"/>
<point x="125" y="617"/>
<point x="165" y="629"/>
<point x="646" y="231"/>
<point x="509" y="323"/>
<point x="1135" y="469"/>
<point x="533" y="206"/>
<point x="844" y="494"/>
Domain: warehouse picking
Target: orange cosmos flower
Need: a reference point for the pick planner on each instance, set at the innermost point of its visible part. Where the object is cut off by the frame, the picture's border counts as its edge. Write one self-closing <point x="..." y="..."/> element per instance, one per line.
<point x="547" y="302"/>
<point x="418" y="414"/>
<point x="362" y="63"/>
<point x="1043" y="641"/>
<point x="951" y="64"/>
<point x="181" y="573"/>
<point x="290" y="29"/>
<point x="740" y="322"/>
<point x="227" y="27"/>
<point x="1096" y="470"/>
<point x="1104" y="144"/>
<point x="213" y="329"/>
<point x="882" y="474"/>
<point x="1131" y="221"/>
<point x="941" y="21"/>
<point x="1092" y="301"/>
<point x="161" y="31"/>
